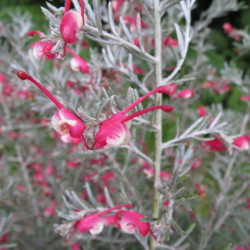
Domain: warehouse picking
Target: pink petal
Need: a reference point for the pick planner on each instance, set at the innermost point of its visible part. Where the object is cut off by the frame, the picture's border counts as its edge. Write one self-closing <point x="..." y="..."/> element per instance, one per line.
<point x="71" y="22"/>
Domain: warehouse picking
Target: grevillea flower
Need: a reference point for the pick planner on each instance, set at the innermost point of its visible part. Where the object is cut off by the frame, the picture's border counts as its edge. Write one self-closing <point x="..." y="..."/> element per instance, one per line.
<point x="106" y="178"/>
<point x="42" y="49"/>
<point x="2" y="78"/>
<point x="242" y="142"/>
<point x="75" y="246"/>
<point x="170" y="42"/>
<point x="132" y="220"/>
<point x="49" y="211"/>
<point x="77" y="63"/>
<point x="115" y="130"/>
<point x="64" y="121"/>
<point x="196" y="163"/>
<point x="138" y="71"/>
<point x="245" y="98"/>
<point x="94" y="223"/>
<point x="132" y="21"/>
<point x="71" y="22"/>
<point x="116" y="4"/>
<point x="201" y="111"/>
<point x="213" y="145"/>
<point x="186" y="93"/>
<point x="228" y="29"/>
<point x="209" y="84"/>
<point x="163" y="175"/>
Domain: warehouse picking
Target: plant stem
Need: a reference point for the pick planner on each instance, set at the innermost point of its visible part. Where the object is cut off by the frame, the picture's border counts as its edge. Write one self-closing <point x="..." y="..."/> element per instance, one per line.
<point x="158" y="118"/>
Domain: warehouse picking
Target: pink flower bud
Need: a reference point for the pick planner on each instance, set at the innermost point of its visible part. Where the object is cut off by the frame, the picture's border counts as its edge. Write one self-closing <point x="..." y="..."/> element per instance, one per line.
<point x="138" y="71"/>
<point x="132" y="220"/>
<point x="107" y="177"/>
<point x="186" y="93"/>
<point x="245" y="98"/>
<point x="213" y="145"/>
<point x="75" y="246"/>
<point x="201" y="111"/>
<point x="2" y="78"/>
<point x="49" y="211"/>
<point x="242" y="142"/>
<point x="170" y="42"/>
<point x="116" y="4"/>
<point x="71" y="22"/>
<point x="94" y="223"/>
<point x="228" y="29"/>
<point x="196" y="163"/>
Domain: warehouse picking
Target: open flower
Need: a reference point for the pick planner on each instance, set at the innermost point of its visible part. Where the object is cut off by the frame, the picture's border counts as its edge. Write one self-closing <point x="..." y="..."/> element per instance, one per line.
<point x="77" y="63"/>
<point x="186" y="93"/>
<point x="132" y="220"/>
<point x="65" y="122"/>
<point x="242" y="142"/>
<point x="115" y="130"/>
<point x="94" y="223"/>
<point x="42" y="49"/>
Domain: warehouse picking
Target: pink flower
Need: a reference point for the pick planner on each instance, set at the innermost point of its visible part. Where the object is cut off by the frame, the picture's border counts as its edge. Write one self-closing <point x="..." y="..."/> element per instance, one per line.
<point x="245" y="98"/>
<point x="132" y="21"/>
<point x="223" y="89"/>
<point x="201" y="190"/>
<point x="106" y="178"/>
<point x="137" y="70"/>
<point x="213" y="145"/>
<point x="71" y="22"/>
<point x="23" y="94"/>
<point x="196" y="163"/>
<point x="186" y="93"/>
<point x="132" y="220"/>
<point x="94" y="223"/>
<point x="2" y="78"/>
<point x="171" y="89"/>
<point x="228" y="29"/>
<point x="75" y="246"/>
<point x="115" y="132"/>
<point x="150" y="173"/>
<point x="170" y="42"/>
<point x="201" y="111"/>
<point x="101" y="198"/>
<point x="242" y="142"/>
<point x="77" y="63"/>
<point x="42" y="49"/>
<point x="165" y="176"/>
<point x="7" y="89"/>
<point x="73" y="164"/>
<point x="49" y="211"/>
<point x="50" y="170"/>
<point x="209" y="84"/>
<point x="116" y="4"/>
<point x="65" y="122"/>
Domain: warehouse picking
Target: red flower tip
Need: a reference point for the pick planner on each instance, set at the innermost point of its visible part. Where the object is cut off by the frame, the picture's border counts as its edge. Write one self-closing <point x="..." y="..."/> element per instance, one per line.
<point x="33" y="32"/>
<point x="167" y="108"/>
<point x="22" y="75"/>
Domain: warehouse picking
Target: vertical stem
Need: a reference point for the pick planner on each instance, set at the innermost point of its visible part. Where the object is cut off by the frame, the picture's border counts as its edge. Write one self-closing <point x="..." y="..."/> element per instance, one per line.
<point x="158" y="118"/>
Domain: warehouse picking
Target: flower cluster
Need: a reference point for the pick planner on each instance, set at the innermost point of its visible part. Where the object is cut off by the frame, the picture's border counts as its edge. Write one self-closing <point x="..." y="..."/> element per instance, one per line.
<point x="112" y="132"/>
